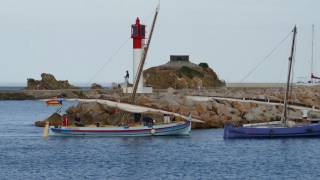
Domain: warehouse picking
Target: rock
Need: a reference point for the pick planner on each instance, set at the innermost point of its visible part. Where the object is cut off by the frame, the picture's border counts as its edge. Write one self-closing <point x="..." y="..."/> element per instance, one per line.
<point x="184" y="110"/>
<point x="48" y="82"/>
<point x="90" y="113"/>
<point x="90" y="106"/>
<point x="143" y="100"/>
<point x="174" y="108"/>
<point x="170" y="90"/>
<point x="54" y="120"/>
<point x="242" y="107"/>
<point x="188" y="102"/>
<point x="200" y="108"/>
<point x="96" y="86"/>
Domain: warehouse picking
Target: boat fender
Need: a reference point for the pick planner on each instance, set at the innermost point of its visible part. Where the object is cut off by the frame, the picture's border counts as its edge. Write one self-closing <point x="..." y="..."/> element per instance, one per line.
<point x="46" y="130"/>
<point x="153" y="131"/>
<point x="271" y="132"/>
<point x="310" y="130"/>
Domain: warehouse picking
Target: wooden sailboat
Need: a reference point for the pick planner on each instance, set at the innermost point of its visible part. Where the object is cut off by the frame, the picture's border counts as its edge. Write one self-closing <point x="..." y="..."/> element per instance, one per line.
<point x="284" y="128"/>
<point x="178" y="128"/>
<point x="148" y="129"/>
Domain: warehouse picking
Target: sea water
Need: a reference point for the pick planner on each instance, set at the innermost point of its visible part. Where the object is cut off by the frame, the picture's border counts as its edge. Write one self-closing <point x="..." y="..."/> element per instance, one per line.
<point x="24" y="154"/>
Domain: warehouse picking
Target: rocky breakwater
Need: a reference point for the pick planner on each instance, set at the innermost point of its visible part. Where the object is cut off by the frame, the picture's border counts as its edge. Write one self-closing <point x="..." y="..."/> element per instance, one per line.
<point x="7" y="95"/>
<point x="214" y="113"/>
<point x="301" y="95"/>
<point x="180" y="73"/>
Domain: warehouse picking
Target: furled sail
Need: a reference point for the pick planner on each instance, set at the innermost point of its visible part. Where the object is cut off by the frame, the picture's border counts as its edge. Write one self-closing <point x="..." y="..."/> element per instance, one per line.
<point x="135" y="108"/>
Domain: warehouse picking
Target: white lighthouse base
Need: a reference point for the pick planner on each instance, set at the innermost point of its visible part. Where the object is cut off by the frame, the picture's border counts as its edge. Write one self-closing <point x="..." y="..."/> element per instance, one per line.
<point x="140" y="90"/>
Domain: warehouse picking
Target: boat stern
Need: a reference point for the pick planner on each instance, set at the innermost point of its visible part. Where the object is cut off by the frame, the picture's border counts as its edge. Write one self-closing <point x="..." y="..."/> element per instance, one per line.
<point x="226" y="131"/>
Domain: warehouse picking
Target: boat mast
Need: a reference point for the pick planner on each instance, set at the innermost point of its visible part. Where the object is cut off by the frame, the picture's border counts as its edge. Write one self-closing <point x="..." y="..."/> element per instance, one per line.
<point x="144" y="56"/>
<point x="285" y="114"/>
<point x="312" y="49"/>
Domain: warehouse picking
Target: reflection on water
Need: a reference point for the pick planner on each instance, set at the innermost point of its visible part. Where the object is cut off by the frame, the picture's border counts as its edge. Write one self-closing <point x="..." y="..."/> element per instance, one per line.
<point x="203" y="155"/>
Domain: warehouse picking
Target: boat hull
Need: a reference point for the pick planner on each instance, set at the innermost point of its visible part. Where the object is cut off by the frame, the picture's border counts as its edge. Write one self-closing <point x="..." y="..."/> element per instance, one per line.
<point x="310" y="130"/>
<point x="179" y="128"/>
<point x="55" y="101"/>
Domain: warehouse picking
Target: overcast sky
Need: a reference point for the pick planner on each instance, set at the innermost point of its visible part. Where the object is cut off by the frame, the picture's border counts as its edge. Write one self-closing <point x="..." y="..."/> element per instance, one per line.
<point x="73" y="39"/>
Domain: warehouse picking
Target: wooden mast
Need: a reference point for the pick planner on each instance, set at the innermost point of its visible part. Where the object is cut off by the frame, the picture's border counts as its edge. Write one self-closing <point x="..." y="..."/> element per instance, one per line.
<point x="285" y="114"/>
<point x="144" y="56"/>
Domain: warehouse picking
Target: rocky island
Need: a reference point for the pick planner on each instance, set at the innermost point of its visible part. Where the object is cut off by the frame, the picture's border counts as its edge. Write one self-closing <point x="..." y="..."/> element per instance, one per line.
<point x="48" y="82"/>
<point x="180" y="73"/>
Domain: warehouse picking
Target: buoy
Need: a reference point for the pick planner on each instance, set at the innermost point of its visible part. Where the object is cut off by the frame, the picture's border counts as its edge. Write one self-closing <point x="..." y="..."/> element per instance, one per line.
<point x="46" y="130"/>
<point x="153" y="131"/>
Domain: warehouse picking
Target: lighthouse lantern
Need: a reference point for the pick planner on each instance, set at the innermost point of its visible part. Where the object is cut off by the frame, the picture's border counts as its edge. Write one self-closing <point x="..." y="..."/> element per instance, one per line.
<point x="138" y="30"/>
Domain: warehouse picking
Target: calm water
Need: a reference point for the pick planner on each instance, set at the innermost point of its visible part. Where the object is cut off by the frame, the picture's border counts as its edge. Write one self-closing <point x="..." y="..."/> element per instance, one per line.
<point x="203" y="155"/>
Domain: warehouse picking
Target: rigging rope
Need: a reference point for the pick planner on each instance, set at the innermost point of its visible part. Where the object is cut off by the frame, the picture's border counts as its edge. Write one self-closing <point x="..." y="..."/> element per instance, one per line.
<point x="266" y="57"/>
<point x="283" y="69"/>
<point x="109" y="60"/>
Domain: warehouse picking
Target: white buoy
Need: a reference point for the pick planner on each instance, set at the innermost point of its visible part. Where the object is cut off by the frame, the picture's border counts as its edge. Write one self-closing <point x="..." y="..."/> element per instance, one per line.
<point x="46" y="130"/>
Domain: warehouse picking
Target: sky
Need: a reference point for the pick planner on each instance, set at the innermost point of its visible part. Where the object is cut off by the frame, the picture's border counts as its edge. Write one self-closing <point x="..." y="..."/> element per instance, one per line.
<point x="75" y="39"/>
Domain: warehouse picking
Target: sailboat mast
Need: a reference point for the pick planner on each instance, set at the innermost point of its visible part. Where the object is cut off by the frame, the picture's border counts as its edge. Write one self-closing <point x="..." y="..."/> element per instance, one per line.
<point x="289" y="76"/>
<point x="144" y="56"/>
<point x="312" y="49"/>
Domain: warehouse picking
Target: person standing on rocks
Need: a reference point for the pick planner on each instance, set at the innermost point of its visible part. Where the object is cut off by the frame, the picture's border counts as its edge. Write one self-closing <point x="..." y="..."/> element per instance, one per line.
<point x="126" y="78"/>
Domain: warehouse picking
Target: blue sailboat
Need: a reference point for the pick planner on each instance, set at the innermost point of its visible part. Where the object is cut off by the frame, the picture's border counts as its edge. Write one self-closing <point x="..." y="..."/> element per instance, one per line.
<point x="268" y="131"/>
<point x="283" y="128"/>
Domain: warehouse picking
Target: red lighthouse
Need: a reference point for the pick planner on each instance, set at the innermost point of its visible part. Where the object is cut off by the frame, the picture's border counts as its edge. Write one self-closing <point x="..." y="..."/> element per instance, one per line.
<point x="140" y="51"/>
<point x="138" y="33"/>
